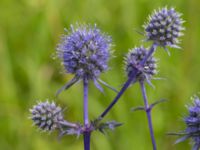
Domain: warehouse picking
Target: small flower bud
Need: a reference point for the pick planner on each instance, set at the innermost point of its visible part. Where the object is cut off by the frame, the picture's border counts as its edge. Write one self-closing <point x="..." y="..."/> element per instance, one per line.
<point x="133" y="59"/>
<point x="46" y="115"/>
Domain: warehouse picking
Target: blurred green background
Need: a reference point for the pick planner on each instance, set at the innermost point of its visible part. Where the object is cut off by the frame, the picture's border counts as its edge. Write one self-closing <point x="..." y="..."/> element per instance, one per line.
<point x="29" y="33"/>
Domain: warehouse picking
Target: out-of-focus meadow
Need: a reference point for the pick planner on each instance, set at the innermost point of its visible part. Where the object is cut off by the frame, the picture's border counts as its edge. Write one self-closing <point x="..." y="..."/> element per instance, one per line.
<point x="29" y="33"/>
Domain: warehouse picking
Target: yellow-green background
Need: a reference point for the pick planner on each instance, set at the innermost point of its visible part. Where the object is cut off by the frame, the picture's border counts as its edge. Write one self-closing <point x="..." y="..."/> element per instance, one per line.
<point x="29" y="33"/>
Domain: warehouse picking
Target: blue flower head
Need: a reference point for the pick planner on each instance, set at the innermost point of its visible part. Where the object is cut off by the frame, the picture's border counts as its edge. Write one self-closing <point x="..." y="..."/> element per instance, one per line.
<point x="85" y="51"/>
<point x="132" y="61"/>
<point x="164" y="27"/>
<point x="193" y="122"/>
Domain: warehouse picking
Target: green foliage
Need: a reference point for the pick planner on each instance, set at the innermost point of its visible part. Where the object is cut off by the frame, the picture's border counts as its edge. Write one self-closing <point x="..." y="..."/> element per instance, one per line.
<point x="29" y="32"/>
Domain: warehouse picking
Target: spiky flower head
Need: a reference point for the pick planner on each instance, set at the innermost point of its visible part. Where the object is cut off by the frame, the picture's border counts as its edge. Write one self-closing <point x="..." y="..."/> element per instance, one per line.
<point x="164" y="27"/>
<point x="193" y="122"/>
<point x="132" y="61"/>
<point x="85" y="51"/>
<point x="46" y="115"/>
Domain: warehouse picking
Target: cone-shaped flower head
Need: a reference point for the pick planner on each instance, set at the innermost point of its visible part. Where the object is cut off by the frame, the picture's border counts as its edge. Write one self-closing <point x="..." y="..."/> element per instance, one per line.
<point x="85" y="51"/>
<point x="193" y="122"/>
<point x="133" y="59"/>
<point x="46" y="115"/>
<point x="164" y="27"/>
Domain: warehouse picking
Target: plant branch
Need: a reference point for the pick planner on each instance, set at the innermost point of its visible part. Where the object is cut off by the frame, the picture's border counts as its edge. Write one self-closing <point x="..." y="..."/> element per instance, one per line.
<point x="148" y="113"/>
<point x="128" y="82"/>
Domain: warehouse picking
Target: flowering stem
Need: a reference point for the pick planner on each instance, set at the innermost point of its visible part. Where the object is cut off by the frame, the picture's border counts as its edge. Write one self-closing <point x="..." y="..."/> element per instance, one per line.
<point x="148" y="112"/>
<point x="128" y="82"/>
<point x="86" y="133"/>
<point x="86" y="140"/>
<point x="123" y="89"/>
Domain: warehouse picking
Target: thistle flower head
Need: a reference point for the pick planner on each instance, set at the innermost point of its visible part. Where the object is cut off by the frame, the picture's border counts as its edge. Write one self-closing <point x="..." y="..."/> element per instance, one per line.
<point x="85" y="51"/>
<point x="193" y="121"/>
<point x="46" y="115"/>
<point x="164" y="27"/>
<point x="132" y="61"/>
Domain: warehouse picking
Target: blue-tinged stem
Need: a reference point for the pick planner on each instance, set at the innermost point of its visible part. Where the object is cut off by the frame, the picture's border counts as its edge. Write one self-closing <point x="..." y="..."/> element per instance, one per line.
<point x="148" y="113"/>
<point x="128" y="82"/>
<point x="86" y="134"/>
<point x="87" y="140"/>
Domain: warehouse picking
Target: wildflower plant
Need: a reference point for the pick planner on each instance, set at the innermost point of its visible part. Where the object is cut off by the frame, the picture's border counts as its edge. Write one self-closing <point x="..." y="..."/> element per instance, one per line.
<point x="157" y="41"/>
<point x="85" y="51"/>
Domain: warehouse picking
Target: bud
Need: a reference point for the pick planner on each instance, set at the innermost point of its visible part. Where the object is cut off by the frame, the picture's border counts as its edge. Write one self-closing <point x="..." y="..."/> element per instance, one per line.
<point x="46" y="115"/>
<point x="132" y="61"/>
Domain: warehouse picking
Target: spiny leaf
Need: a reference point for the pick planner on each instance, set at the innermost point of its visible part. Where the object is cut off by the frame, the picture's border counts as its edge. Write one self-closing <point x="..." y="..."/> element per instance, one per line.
<point x="137" y="108"/>
<point x="107" y="85"/>
<point x="182" y="139"/>
<point x="68" y="85"/>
